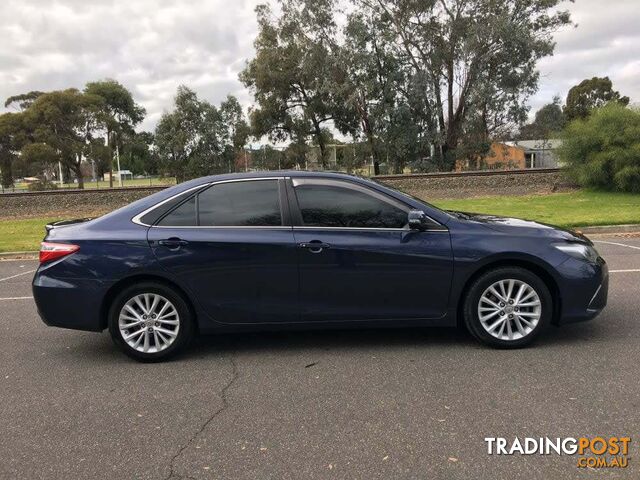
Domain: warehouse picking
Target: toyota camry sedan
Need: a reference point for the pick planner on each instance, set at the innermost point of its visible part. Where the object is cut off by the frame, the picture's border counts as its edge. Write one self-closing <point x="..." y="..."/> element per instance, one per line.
<point x="284" y="250"/>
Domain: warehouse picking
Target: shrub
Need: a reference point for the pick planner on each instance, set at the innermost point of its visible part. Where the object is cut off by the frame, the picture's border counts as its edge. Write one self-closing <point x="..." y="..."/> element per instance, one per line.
<point x="603" y="150"/>
<point x="628" y="179"/>
<point x="41" y="186"/>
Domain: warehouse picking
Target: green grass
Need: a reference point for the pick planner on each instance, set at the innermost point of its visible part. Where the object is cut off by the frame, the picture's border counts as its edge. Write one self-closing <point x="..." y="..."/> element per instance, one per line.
<point x="22" y="235"/>
<point x="576" y="209"/>
<point x="563" y="209"/>
<point x="134" y="182"/>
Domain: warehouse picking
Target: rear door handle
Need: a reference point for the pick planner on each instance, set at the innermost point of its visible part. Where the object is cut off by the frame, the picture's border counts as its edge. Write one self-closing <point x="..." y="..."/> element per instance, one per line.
<point x="314" y="246"/>
<point x="173" y="243"/>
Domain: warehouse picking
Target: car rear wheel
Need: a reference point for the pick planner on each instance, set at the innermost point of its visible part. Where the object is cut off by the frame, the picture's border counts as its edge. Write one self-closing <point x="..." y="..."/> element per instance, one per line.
<point x="508" y="307"/>
<point x="150" y="322"/>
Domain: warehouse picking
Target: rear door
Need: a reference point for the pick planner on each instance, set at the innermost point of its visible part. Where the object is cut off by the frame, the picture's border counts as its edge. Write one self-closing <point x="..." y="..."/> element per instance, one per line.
<point x="232" y="246"/>
<point x="358" y="258"/>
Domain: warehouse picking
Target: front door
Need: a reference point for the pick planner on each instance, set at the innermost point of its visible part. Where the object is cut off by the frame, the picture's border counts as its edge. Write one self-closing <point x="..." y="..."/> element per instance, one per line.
<point x="358" y="259"/>
<point x="231" y="246"/>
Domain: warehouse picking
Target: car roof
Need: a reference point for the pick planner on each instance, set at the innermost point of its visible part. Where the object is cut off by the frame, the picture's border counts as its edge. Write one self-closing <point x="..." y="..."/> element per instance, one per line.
<point x="275" y="173"/>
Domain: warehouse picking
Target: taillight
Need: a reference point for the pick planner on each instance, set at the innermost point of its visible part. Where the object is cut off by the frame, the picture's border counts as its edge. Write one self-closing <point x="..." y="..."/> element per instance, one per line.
<point x="52" y="251"/>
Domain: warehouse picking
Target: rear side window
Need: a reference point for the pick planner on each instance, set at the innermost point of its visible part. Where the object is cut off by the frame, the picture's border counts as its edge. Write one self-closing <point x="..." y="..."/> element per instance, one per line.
<point x="335" y="206"/>
<point x="235" y="204"/>
<point x="183" y="216"/>
<point x="242" y="204"/>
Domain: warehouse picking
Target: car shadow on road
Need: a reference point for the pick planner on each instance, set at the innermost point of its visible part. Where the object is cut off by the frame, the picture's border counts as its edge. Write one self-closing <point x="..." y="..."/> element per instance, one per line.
<point x="331" y="340"/>
<point x="384" y="339"/>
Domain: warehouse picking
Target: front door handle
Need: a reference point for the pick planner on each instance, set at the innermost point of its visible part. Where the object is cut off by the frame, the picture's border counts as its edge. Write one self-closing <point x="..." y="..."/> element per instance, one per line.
<point x="173" y="243"/>
<point x="314" y="246"/>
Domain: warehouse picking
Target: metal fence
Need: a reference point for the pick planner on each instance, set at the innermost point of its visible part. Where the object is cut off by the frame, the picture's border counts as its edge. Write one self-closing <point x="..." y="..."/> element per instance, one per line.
<point x="30" y="187"/>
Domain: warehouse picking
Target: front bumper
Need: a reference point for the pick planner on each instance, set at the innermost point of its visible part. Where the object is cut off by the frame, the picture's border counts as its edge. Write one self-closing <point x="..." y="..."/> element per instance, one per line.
<point x="584" y="288"/>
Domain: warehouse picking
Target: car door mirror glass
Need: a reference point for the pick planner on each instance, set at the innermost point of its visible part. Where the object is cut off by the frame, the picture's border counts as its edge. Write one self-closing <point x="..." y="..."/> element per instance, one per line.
<point x="417" y="220"/>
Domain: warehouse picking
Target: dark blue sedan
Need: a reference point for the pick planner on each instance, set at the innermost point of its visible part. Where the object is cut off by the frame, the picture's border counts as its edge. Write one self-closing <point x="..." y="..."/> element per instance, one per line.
<point x="308" y="250"/>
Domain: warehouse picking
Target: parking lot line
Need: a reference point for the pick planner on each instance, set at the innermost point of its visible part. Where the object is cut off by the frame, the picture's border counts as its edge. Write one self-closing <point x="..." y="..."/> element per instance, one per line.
<point x="16" y="298"/>
<point x="631" y="270"/>
<point x="618" y="244"/>
<point x="16" y="275"/>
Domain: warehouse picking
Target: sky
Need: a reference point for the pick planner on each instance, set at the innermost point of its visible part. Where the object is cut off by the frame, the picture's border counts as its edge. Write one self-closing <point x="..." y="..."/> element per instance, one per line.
<point x="152" y="46"/>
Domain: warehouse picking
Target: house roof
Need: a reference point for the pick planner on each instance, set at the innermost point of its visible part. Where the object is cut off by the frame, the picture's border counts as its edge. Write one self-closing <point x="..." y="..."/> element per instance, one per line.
<point x="542" y="144"/>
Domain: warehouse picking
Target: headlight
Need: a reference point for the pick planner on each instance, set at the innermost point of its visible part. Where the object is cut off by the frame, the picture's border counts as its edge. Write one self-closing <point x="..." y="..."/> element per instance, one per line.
<point x="579" y="250"/>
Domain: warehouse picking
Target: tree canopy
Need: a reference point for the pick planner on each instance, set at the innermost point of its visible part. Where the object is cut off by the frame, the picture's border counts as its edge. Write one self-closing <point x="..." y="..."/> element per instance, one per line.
<point x="292" y="73"/>
<point x="590" y="94"/>
<point x="197" y="138"/>
<point x="444" y="74"/>
<point x="549" y="122"/>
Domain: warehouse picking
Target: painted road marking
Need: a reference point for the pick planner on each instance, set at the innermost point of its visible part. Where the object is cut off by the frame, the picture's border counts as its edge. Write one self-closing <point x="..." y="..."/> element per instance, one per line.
<point x="625" y="271"/>
<point x="16" y="275"/>
<point x="618" y="244"/>
<point x="17" y="298"/>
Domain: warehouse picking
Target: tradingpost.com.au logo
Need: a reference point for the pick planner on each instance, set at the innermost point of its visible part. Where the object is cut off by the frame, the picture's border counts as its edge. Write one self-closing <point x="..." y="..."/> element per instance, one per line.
<point x="596" y="452"/>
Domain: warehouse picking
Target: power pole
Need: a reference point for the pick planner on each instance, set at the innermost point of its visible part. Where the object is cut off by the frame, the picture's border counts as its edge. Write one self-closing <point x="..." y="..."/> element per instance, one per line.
<point x="118" y="160"/>
<point x="60" y="171"/>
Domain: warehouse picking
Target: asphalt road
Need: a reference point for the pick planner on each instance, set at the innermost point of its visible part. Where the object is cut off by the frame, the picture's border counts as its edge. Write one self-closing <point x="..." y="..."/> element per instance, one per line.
<point x="343" y="404"/>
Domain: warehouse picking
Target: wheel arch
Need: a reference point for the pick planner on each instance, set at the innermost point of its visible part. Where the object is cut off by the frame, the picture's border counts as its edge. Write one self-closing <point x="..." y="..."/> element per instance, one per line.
<point x="534" y="267"/>
<point x="119" y="286"/>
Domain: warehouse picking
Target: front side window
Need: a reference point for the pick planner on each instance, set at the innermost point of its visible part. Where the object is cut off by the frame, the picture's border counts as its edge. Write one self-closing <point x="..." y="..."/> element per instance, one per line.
<point x="331" y="205"/>
<point x="233" y="204"/>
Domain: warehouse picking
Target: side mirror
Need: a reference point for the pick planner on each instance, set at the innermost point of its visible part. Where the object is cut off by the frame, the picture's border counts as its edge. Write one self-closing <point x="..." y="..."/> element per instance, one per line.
<point x="417" y="220"/>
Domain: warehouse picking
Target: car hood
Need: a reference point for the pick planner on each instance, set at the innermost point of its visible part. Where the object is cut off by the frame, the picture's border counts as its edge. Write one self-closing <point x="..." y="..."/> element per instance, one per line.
<point x="518" y="226"/>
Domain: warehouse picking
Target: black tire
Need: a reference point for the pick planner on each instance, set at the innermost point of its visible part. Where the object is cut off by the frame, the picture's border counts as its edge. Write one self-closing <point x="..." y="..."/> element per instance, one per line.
<point x="185" y="330"/>
<point x="486" y="280"/>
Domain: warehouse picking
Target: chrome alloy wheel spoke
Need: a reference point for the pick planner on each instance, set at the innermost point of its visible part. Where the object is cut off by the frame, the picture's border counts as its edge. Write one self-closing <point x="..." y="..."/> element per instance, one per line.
<point x="149" y="323"/>
<point x="509" y="309"/>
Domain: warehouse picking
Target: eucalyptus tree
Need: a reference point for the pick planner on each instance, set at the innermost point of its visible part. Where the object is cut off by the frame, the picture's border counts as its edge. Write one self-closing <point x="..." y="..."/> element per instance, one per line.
<point x="236" y="132"/>
<point x="368" y="81"/>
<point x="549" y="121"/>
<point x="292" y="73"/>
<point x="196" y="138"/>
<point x="23" y="100"/>
<point x="478" y="58"/>
<point x="120" y="113"/>
<point x="10" y="144"/>
<point x="60" y="127"/>
<point x="590" y="94"/>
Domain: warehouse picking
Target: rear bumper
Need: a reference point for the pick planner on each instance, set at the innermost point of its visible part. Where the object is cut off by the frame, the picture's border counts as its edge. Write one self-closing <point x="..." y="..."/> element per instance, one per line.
<point x="584" y="290"/>
<point x="69" y="303"/>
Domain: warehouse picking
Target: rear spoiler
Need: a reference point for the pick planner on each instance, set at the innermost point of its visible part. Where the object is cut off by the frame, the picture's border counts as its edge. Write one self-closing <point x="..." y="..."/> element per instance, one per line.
<point x="64" y="223"/>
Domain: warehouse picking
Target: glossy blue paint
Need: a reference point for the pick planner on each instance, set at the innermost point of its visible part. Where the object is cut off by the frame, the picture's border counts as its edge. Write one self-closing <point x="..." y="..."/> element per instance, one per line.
<point x="250" y="278"/>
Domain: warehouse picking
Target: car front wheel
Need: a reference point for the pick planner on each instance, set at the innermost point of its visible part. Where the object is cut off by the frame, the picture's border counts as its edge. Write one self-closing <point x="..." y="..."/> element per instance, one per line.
<point x="150" y="322"/>
<point x="508" y="307"/>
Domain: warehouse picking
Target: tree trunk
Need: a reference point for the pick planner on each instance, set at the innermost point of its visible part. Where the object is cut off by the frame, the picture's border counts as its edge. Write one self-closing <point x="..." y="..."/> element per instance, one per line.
<point x="77" y="169"/>
<point x="7" y="175"/>
<point x="323" y="147"/>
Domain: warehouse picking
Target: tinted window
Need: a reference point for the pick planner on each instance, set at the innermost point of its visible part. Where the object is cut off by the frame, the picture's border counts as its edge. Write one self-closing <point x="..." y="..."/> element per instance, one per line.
<point x="250" y="203"/>
<point x="183" y="216"/>
<point x="333" y="206"/>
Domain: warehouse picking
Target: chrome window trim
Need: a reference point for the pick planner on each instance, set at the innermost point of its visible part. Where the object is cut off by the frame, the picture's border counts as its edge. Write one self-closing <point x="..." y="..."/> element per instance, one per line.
<point x="372" y="229"/>
<point x="228" y="227"/>
<point x="136" y="219"/>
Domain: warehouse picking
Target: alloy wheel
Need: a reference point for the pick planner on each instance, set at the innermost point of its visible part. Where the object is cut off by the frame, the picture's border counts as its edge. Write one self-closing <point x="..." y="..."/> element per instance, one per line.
<point x="149" y="323"/>
<point x="509" y="309"/>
